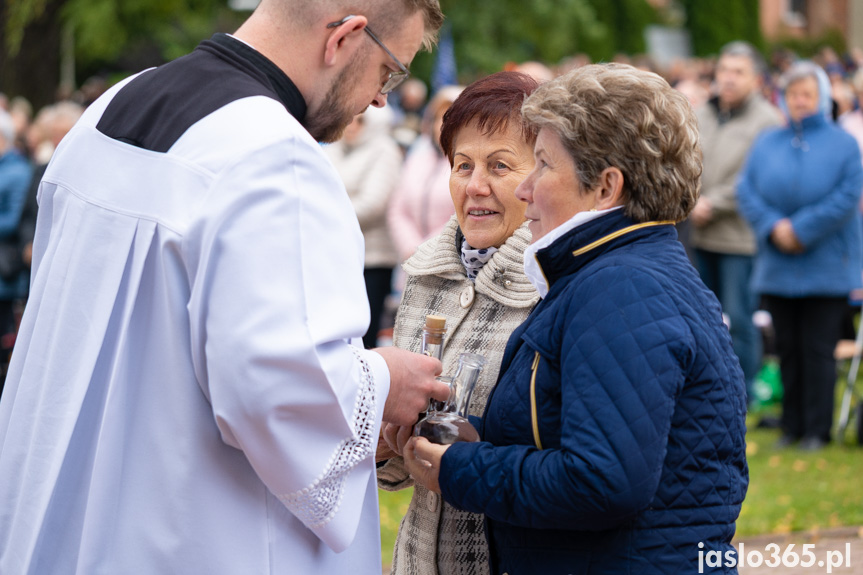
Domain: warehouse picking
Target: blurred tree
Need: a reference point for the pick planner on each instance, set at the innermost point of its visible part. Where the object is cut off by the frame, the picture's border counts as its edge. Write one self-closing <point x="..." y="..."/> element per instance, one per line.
<point x="714" y="24"/>
<point x="109" y="36"/>
<point x="809" y="47"/>
<point x="30" y="49"/>
<point x="625" y="21"/>
<point x="128" y="35"/>
<point x="490" y="34"/>
<point x="115" y="30"/>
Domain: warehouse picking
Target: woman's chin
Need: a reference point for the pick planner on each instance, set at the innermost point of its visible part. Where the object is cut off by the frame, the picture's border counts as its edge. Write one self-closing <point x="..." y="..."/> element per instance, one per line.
<point x="480" y="239"/>
<point x="481" y="244"/>
<point x="535" y="230"/>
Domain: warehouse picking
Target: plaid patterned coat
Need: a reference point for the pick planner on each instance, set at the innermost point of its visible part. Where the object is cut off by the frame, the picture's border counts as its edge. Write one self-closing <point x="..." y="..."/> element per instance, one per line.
<point x="434" y="538"/>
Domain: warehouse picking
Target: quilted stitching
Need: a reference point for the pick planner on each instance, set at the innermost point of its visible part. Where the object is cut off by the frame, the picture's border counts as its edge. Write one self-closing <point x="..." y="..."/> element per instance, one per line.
<point x="637" y="371"/>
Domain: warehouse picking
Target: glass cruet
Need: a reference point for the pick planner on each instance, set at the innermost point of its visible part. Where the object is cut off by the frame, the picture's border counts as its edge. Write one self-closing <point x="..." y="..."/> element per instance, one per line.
<point x="450" y="424"/>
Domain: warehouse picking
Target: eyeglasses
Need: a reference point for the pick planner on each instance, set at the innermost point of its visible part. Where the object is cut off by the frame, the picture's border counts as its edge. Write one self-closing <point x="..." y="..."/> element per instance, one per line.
<point x="394" y="79"/>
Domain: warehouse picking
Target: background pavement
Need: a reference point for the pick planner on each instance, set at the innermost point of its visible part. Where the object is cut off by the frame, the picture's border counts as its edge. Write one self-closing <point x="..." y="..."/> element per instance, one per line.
<point x="827" y="544"/>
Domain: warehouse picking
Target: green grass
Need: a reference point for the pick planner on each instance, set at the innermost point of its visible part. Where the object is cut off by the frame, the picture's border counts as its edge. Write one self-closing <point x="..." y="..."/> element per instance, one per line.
<point x="790" y="490"/>
<point x="393" y="505"/>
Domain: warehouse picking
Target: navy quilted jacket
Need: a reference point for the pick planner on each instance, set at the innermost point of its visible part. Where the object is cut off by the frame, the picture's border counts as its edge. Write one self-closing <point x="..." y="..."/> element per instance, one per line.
<point x="640" y="408"/>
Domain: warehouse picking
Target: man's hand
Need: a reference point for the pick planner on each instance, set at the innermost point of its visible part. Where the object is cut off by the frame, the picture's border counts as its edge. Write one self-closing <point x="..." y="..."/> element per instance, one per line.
<point x="412" y="384"/>
<point x="702" y="213"/>
<point x="785" y="239"/>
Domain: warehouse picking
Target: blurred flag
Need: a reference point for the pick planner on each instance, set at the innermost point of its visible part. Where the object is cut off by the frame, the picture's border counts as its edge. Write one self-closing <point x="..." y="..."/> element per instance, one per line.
<point x="444" y="68"/>
<point x="241" y="5"/>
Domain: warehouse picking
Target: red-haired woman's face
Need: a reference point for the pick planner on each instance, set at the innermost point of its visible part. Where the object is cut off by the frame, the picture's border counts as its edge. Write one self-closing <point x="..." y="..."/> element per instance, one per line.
<point x="486" y="170"/>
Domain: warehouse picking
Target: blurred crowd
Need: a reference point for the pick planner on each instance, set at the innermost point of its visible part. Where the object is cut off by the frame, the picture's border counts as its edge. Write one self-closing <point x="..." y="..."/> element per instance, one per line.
<point x="27" y="141"/>
<point x="792" y="250"/>
<point x="398" y="179"/>
<point x="413" y="204"/>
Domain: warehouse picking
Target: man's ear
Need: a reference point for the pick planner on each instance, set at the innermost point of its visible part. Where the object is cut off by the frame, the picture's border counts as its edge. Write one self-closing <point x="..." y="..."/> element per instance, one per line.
<point x="343" y="39"/>
<point x="610" y="189"/>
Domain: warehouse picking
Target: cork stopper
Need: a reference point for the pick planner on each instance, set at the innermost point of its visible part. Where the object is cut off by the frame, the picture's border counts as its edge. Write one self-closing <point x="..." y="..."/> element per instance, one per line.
<point x="434" y="330"/>
<point x="435" y="322"/>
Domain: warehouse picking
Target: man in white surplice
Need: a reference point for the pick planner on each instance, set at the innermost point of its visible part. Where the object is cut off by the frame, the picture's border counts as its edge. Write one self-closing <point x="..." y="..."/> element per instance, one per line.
<point x="186" y="395"/>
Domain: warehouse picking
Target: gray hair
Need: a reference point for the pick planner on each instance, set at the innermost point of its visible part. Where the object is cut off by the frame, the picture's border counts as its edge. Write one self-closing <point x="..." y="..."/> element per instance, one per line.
<point x="801" y="70"/>
<point x="614" y="115"/>
<point x="67" y="112"/>
<point x="7" y="129"/>
<point x="746" y="50"/>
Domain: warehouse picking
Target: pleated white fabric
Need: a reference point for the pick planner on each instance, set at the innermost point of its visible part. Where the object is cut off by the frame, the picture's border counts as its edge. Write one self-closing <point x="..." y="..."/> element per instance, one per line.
<point x="184" y="396"/>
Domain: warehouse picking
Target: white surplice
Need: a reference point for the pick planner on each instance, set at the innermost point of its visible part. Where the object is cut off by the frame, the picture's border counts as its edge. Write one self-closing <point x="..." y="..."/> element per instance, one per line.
<point x="184" y="396"/>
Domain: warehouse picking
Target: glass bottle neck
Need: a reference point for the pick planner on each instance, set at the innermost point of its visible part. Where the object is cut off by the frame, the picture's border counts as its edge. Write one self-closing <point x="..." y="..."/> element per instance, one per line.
<point x="465" y="379"/>
<point x="432" y="343"/>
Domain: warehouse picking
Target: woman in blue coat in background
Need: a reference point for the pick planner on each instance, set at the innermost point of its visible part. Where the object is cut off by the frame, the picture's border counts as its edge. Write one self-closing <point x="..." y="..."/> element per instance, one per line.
<point x="800" y="191"/>
<point x="614" y="440"/>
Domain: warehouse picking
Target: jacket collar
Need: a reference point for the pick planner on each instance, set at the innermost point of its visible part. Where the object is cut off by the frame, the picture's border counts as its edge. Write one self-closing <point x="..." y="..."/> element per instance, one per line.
<point x="731" y="113"/>
<point x="281" y="84"/>
<point x="810" y="122"/>
<point x="501" y="279"/>
<point x="587" y="242"/>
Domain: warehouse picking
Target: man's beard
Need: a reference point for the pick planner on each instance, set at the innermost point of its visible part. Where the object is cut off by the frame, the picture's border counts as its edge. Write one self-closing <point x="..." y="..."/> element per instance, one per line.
<point x="328" y="122"/>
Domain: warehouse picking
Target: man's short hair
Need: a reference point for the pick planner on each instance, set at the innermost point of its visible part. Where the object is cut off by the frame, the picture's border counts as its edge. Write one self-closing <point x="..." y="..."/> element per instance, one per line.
<point x="747" y="50"/>
<point x="385" y="16"/>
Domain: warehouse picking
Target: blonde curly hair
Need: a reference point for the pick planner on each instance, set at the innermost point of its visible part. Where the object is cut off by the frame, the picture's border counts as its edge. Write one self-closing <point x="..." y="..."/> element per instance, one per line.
<point x="614" y="115"/>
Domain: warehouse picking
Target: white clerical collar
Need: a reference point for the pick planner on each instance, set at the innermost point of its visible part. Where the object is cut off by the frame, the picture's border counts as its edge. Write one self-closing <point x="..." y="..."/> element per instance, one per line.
<point x="243" y="41"/>
<point x="531" y="265"/>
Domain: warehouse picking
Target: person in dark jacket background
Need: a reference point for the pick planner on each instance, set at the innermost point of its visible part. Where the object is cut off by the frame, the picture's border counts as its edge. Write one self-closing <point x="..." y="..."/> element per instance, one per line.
<point x="800" y="191"/>
<point x="724" y="244"/>
<point x="614" y="439"/>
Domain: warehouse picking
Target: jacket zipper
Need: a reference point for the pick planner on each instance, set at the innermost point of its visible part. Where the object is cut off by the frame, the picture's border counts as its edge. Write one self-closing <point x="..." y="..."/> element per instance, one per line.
<point x="533" y="414"/>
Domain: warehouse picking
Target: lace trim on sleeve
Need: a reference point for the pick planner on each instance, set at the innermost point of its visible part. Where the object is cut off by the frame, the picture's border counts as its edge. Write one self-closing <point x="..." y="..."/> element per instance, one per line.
<point x="318" y="503"/>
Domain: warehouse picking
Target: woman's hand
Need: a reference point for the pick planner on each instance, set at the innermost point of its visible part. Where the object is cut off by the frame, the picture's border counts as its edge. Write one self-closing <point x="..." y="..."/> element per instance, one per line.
<point x="785" y="238"/>
<point x="397" y="436"/>
<point x="702" y="213"/>
<point x="422" y="459"/>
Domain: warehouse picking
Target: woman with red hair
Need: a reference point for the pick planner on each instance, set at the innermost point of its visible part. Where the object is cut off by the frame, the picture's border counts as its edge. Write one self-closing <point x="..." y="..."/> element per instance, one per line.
<point x="472" y="274"/>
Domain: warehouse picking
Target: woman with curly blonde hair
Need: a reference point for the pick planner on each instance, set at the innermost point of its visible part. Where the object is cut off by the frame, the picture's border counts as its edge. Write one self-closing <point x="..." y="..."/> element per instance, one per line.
<point x="613" y="441"/>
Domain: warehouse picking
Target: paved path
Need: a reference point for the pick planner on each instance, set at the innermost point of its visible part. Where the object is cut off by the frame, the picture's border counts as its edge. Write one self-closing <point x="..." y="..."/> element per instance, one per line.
<point x="837" y="551"/>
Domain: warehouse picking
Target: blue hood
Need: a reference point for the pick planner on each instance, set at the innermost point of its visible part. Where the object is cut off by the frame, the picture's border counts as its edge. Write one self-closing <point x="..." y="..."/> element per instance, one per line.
<point x="825" y="94"/>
